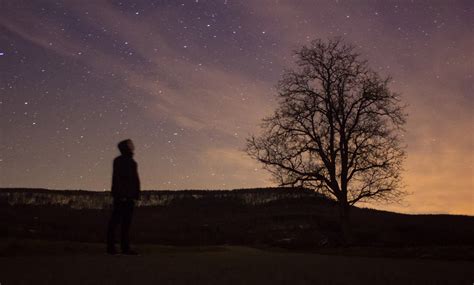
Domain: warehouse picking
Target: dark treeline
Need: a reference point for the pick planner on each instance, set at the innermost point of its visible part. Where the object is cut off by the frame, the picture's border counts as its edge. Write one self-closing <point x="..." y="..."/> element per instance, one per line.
<point x="84" y="199"/>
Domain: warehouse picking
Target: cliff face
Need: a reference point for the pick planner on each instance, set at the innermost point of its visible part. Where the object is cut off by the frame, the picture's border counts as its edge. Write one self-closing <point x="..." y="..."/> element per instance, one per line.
<point x="100" y="200"/>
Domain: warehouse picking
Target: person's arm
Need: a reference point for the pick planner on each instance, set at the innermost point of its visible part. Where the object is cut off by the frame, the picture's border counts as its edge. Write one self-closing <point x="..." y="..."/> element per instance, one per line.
<point x="136" y="181"/>
<point x="122" y="179"/>
<point x="115" y="179"/>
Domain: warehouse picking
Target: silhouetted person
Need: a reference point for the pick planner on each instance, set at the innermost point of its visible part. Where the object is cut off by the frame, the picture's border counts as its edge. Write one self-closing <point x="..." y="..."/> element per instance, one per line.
<point x="125" y="191"/>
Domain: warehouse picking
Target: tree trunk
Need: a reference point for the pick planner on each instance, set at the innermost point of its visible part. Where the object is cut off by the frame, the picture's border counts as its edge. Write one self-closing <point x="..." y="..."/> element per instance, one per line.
<point x="344" y="211"/>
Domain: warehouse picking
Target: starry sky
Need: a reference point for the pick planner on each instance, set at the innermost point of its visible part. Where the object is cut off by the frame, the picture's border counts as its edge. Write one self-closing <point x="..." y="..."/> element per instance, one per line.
<point x="188" y="81"/>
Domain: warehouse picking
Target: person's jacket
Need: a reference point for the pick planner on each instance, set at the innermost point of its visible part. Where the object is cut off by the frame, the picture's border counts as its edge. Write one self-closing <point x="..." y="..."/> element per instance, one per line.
<point x="125" y="180"/>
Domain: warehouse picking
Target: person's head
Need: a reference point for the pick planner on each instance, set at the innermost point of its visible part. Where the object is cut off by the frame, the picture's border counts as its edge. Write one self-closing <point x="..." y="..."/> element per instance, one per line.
<point x="126" y="147"/>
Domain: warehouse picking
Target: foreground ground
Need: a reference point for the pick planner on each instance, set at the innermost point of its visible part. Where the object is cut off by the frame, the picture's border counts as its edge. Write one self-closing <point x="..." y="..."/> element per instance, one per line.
<point x="46" y="262"/>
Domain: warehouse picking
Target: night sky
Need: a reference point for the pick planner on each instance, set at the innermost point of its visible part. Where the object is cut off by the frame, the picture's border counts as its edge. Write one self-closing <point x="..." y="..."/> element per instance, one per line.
<point x="188" y="81"/>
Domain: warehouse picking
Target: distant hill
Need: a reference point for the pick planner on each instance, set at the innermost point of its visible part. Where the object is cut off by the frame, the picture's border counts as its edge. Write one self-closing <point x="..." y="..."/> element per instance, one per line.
<point x="286" y="217"/>
<point x="84" y="199"/>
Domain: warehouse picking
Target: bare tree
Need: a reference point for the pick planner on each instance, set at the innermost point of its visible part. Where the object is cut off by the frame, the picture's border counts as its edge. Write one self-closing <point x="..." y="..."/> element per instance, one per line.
<point x="337" y="128"/>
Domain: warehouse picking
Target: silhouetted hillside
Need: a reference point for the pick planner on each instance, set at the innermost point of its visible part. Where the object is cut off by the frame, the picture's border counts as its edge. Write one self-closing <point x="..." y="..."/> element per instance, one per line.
<point x="293" y="218"/>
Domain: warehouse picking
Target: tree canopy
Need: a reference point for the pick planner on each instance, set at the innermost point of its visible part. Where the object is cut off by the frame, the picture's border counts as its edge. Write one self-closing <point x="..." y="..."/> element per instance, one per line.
<point x="337" y="128"/>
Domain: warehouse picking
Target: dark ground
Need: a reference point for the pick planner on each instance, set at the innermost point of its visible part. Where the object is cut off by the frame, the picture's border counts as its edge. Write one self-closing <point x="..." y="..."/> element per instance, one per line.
<point x="216" y="239"/>
<point x="46" y="262"/>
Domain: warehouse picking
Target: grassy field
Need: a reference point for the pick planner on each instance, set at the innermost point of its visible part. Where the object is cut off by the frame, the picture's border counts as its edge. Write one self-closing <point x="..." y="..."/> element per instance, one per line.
<point x="48" y="262"/>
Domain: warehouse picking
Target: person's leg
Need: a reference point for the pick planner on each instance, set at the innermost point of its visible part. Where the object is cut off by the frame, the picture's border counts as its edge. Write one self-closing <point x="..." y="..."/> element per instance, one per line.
<point x="126" y="222"/>
<point x="113" y="222"/>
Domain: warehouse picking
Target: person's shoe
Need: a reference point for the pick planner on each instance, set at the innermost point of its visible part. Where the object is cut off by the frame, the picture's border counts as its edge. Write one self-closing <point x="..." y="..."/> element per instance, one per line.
<point x="129" y="252"/>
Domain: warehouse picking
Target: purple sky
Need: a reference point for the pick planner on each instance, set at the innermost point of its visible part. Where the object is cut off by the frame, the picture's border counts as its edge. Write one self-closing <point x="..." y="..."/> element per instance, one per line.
<point x="188" y="81"/>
